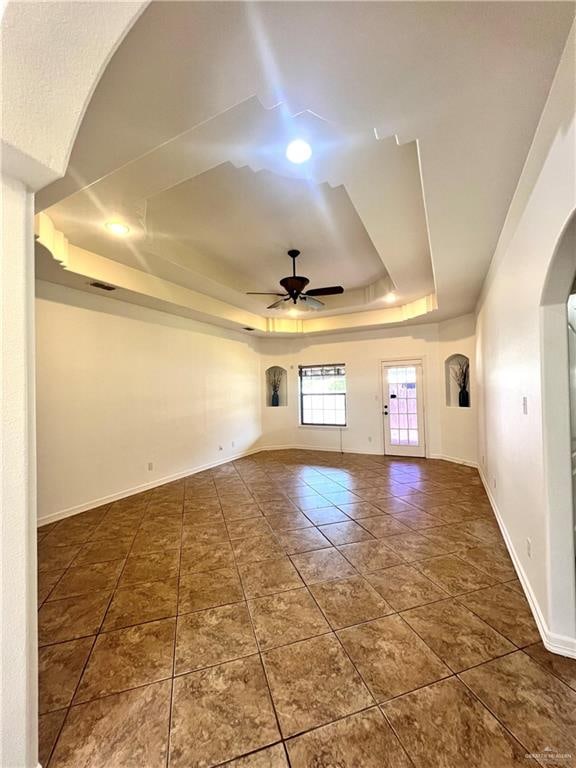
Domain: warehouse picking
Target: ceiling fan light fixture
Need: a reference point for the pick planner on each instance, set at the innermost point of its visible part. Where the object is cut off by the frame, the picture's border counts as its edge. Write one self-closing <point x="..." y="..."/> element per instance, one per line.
<point x="298" y="151"/>
<point x="390" y="297"/>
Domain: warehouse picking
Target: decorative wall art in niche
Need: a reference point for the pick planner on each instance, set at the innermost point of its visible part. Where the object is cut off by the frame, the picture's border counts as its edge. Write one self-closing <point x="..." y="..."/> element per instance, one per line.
<point x="457" y="373"/>
<point x="276" y="394"/>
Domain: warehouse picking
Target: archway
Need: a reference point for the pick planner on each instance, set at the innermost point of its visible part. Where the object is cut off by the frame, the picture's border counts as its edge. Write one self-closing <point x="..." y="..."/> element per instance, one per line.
<point x="58" y="74"/>
<point x="556" y="428"/>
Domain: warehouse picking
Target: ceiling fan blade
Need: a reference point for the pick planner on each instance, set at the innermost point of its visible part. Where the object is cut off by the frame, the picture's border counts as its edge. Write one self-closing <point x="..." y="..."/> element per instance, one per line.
<point x="311" y="302"/>
<point x="265" y="293"/>
<point x="276" y="304"/>
<point x="331" y="290"/>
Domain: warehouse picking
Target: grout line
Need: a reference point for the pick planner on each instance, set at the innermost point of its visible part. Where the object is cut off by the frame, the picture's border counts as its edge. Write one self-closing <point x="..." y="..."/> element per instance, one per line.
<point x="263" y="477"/>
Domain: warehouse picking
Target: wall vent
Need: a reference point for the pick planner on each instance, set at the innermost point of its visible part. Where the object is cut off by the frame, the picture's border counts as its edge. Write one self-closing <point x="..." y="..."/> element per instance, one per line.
<point x="102" y="286"/>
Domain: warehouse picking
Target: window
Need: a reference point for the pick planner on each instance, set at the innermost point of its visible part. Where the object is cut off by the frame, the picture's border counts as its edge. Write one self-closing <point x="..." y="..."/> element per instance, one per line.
<point x="323" y="395"/>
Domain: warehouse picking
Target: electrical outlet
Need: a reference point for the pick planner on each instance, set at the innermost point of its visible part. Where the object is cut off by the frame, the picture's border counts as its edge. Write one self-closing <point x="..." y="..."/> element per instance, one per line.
<point x="220" y="448"/>
<point x="529" y="547"/>
<point x="233" y="444"/>
<point x="369" y="438"/>
<point x="525" y="406"/>
<point x="150" y="466"/>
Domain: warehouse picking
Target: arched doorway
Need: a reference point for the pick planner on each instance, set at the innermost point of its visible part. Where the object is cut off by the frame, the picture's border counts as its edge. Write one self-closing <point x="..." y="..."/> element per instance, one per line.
<point x="558" y="418"/>
<point x="57" y="73"/>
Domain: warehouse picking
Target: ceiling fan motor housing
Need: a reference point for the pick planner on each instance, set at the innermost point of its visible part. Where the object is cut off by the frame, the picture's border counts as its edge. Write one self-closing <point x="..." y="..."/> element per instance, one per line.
<point x="294" y="285"/>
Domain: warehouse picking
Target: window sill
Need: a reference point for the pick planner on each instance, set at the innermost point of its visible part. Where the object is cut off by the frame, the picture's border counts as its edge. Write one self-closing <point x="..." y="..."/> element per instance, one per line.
<point x="320" y="426"/>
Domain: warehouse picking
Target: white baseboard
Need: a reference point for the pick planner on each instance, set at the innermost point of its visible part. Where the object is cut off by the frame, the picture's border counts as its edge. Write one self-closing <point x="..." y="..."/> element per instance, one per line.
<point x="561" y="644"/>
<point x="453" y="460"/>
<point x="127" y="492"/>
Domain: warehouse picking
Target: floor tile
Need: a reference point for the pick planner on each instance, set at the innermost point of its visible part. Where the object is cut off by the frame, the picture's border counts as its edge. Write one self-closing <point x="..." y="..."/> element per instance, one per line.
<point x="391" y="658"/>
<point x="369" y="556"/>
<point x="456" y="635"/>
<point x="54" y="558"/>
<point x="560" y="666"/>
<point x="326" y="515"/>
<point x="59" y="669"/>
<point x="349" y="601"/>
<point x="507" y="611"/>
<point x="413" y="546"/>
<point x="286" y="617"/>
<point x="364" y="740"/>
<point x="345" y="533"/>
<point x="491" y="561"/>
<point x="257" y="548"/>
<point x="157" y="566"/>
<point x="313" y="682"/>
<point x="139" y="603"/>
<point x="444" y="726"/>
<point x="221" y="713"/>
<point x="240" y="511"/>
<point x="383" y="526"/>
<point x="206" y="557"/>
<point x="405" y="587"/>
<point x="83" y="579"/>
<point x="47" y="580"/>
<point x="322" y="565"/>
<point x="204" y="533"/>
<point x="537" y="708"/>
<point x="49" y="726"/>
<point x="268" y="577"/>
<point x="288" y="521"/>
<point x="103" y="550"/>
<point x="145" y="543"/>
<point x="127" y="658"/>
<point x="481" y="529"/>
<point x="253" y="526"/>
<point x="209" y="589"/>
<point x="108" y="732"/>
<point x="360" y="510"/>
<point x="207" y="638"/>
<point x="451" y="539"/>
<point x="271" y="757"/>
<point x="454" y="575"/>
<point x="302" y="540"/>
<point x="71" y="618"/>
<point x="416" y="519"/>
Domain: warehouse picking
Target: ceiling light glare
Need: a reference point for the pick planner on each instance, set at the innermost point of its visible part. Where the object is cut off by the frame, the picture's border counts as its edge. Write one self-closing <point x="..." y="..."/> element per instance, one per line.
<point x="298" y="151"/>
<point x="390" y="298"/>
<point x="293" y="312"/>
<point x="117" y="228"/>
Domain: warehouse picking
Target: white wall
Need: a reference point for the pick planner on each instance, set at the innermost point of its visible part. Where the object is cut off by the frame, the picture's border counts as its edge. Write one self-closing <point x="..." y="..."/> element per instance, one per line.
<point x="450" y="432"/>
<point x="515" y="447"/>
<point x="119" y="386"/>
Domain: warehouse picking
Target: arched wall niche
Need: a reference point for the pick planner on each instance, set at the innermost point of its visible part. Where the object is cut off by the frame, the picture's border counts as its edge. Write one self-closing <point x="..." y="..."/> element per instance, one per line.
<point x="276" y="386"/>
<point x="454" y="367"/>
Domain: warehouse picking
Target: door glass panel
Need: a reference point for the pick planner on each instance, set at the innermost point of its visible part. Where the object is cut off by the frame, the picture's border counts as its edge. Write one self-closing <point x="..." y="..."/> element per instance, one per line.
<point x="404" y="428"/>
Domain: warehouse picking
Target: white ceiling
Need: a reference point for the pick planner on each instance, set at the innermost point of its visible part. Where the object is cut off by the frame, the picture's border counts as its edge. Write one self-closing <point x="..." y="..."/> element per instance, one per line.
<point x="184" y="134"/>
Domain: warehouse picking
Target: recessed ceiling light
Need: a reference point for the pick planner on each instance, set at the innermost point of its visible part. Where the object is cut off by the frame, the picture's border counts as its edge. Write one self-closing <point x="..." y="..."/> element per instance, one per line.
<point x="117" y="228"/>
<point x="390" y="298"/>
<point x="293" y="312"/>
<point x="298" y="151"/>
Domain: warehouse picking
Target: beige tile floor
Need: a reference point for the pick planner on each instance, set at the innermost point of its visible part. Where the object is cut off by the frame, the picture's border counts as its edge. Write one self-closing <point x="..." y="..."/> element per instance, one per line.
<point x="300" y="609"/>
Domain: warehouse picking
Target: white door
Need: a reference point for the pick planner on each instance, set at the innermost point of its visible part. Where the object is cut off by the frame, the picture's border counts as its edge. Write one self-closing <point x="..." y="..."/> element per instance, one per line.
<point x="403" y="409"/>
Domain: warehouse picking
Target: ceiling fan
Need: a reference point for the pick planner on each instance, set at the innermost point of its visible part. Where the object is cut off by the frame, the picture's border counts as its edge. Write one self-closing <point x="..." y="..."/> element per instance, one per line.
<point x="294" y="286"/>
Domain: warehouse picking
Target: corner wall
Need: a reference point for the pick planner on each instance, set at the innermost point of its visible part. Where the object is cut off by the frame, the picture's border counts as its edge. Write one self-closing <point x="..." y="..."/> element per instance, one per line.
<point x="119" y="386"/>
<point x="515" y="443"/>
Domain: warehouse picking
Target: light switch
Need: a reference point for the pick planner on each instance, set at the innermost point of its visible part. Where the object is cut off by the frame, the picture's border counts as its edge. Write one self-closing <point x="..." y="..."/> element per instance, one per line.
<point x="525" y="406"/>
